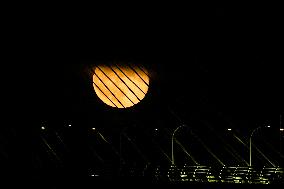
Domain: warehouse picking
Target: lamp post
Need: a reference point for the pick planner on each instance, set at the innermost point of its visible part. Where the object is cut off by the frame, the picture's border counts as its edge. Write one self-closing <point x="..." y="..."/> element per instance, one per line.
<point x="173" y="160"/>
<point x="250" y="143"/>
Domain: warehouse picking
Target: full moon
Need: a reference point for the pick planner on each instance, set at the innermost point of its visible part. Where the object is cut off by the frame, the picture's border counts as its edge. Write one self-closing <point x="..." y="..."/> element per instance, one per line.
<point x="120" y="86"/>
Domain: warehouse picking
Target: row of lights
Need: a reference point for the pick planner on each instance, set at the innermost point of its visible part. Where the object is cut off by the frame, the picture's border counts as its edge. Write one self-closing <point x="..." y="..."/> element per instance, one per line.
<point x="93" y="128"/>
<point x="43" y="127"/>
<point x="229" y="129"/>
<point x="268" y="126"/>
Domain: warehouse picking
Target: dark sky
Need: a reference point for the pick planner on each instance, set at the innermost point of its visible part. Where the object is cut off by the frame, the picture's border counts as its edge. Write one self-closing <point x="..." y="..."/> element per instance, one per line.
<point x="219" y="64"/>
<point x="227" y="58"/>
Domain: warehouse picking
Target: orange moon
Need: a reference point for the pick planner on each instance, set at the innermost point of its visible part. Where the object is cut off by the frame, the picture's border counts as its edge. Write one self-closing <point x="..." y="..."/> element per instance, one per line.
<point x="120" y="86"/>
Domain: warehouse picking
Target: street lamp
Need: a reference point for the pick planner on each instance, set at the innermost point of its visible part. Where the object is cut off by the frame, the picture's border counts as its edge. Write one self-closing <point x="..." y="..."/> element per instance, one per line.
<point x="250" y="143"/>
<point x="173" y="160"/>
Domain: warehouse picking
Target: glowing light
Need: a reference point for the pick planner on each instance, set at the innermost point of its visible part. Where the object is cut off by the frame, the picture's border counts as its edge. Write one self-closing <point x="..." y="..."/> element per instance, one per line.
<point x="229" y="129"/>
<point x="120" y="86"/>
<point x="42" y="128"/>
<point x="281" y="129"/>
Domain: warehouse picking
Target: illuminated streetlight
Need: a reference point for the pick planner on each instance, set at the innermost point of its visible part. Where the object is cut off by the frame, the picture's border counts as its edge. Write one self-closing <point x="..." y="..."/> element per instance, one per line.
<point x="173" y="160"/>
<point x="251" y="142"/>
<point x="281" y="129"/>
<point x="229" y="129"/>
<point x="42" y="128"/>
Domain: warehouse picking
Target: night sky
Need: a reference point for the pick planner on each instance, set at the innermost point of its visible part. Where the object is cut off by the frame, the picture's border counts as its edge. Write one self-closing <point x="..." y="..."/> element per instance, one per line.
<point x="224" y="59"/>
<point x="217" y="64"/>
